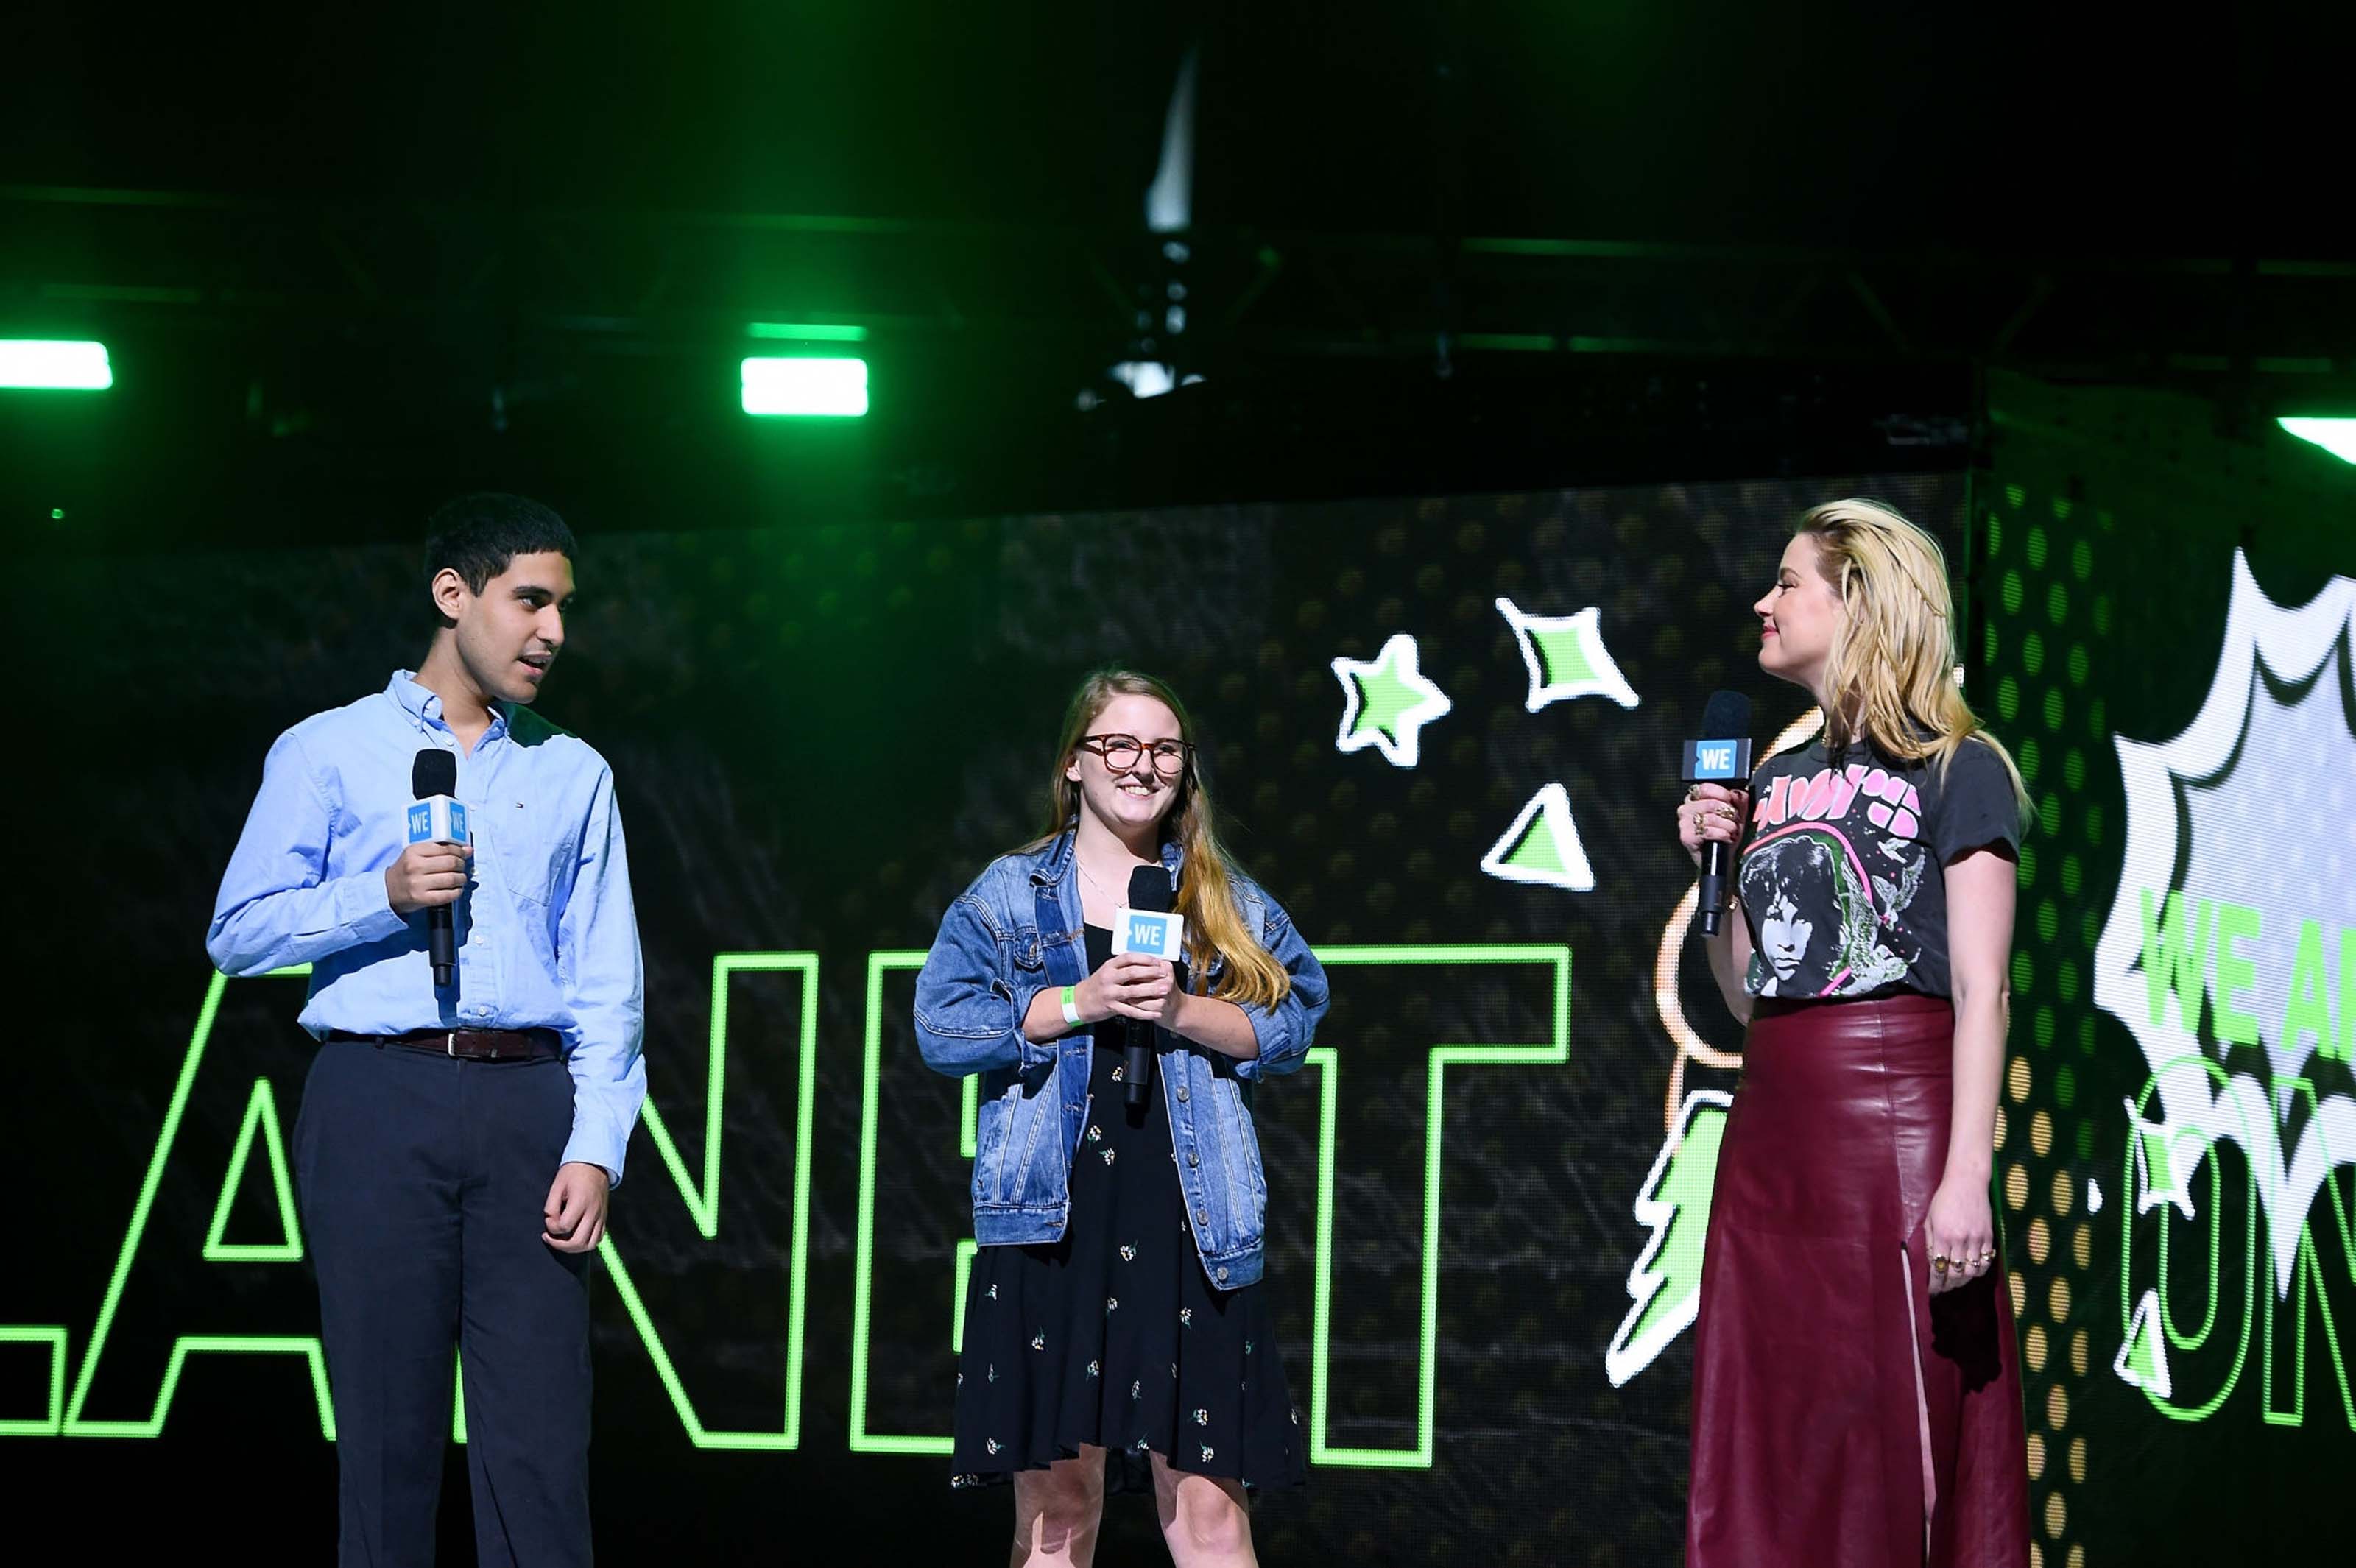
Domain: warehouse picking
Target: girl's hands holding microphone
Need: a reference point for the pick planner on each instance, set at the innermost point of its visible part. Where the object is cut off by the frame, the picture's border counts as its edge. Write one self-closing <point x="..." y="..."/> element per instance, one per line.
<point x="1129" y="985"/>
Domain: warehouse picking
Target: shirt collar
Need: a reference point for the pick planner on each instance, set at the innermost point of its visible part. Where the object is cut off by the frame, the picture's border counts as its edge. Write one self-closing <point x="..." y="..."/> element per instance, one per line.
<point x="424" y="706"/>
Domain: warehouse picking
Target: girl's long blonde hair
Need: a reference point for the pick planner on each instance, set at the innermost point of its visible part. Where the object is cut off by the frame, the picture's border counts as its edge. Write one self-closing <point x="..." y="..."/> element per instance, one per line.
<point x="1214" y="923"/>
<point x="1891" y="676"/>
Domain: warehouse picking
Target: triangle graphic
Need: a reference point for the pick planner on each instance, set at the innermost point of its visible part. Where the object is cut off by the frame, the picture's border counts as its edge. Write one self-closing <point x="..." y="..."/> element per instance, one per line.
<point x="1542" y="845"/>
<point x="260" y="1116"/>
<point x="2143" y="1359"/>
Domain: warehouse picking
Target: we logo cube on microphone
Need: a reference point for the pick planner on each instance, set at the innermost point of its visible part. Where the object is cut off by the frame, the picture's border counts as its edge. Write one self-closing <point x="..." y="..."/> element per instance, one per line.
<point x="1155" y="934"/>
<point x="437" y="819"/>
<point x="1717" y="762"/>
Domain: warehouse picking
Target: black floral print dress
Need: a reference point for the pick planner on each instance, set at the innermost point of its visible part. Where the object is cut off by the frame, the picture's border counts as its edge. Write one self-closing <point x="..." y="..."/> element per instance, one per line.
<point x="1114" y="1336"/>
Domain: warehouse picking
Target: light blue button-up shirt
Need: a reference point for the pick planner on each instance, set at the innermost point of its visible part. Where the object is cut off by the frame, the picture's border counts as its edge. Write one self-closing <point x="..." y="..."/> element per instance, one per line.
<point x="547" y="937"/>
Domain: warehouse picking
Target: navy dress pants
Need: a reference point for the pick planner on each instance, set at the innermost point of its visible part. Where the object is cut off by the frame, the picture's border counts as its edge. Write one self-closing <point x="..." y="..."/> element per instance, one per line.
<point x="423" y="1181"/>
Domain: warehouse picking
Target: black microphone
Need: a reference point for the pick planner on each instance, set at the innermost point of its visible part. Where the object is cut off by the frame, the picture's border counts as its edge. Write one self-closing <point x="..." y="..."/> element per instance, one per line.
<point x="1149" y="890"/>
<point x="435" y="771"/>
<point x="1723" y="759"/>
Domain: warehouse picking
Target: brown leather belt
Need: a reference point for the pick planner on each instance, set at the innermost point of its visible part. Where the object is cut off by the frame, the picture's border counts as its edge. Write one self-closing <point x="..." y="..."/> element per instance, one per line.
<point x="472" y="1044"/>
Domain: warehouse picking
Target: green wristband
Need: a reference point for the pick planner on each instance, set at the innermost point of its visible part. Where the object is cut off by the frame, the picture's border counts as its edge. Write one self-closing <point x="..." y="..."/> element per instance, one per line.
<point x="1071" y="1004"/>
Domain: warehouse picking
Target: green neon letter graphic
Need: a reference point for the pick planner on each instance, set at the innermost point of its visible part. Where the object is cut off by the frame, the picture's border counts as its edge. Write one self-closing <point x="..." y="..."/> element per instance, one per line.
<point x="260" y="1115"/>
<point x="54" y="1337"/>
<point x="2308" y="1277"/>
<point x="863" y="1289"/>
<point x="1324" y="1059"/>
<point x="258" y="1105"/>
<point x="703" y="1199"/>
<point x="2152" y="1338"/>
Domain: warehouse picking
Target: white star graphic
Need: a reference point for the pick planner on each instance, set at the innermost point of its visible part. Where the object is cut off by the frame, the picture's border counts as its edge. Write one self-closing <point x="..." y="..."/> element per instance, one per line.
<point x="1392" y="727"/>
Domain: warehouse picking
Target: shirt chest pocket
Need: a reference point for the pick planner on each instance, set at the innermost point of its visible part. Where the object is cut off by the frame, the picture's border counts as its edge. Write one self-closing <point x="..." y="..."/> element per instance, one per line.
<point x="531" y="855"/>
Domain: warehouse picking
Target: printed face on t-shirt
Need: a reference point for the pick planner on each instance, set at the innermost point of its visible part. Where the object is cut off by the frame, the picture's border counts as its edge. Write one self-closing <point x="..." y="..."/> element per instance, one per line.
<point x="1797" y="874"/>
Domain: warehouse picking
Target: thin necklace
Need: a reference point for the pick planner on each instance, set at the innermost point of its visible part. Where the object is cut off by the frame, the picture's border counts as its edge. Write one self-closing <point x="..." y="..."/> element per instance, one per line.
<point x="1117" y="903"/>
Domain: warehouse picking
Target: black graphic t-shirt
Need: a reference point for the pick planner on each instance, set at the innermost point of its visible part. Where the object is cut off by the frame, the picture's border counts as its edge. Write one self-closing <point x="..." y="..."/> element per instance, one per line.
<point x="1843" y="879"/>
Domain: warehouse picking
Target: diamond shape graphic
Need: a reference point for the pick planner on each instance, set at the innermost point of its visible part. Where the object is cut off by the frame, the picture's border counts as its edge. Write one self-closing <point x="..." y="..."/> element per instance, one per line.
<point x="1565" y="656"/>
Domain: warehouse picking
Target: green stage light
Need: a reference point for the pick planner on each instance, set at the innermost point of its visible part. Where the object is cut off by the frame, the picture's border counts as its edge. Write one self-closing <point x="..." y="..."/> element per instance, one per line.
<point x="2336" y="437"/>
<point x="836" y="387"/>
<point x="806" y="331"/>
<point x="49" y="365"/>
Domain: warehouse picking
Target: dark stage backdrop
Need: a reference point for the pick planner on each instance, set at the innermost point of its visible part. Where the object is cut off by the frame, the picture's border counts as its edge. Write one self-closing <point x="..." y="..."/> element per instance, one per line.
<point x="1445" y="733"/>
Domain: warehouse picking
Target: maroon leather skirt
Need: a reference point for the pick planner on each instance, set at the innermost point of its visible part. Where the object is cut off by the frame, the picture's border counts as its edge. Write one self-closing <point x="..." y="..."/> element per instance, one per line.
<point x="1842" y="1416"/>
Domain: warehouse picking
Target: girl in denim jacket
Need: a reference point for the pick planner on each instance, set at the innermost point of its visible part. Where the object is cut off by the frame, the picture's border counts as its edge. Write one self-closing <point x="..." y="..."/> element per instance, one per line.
<point x="1117" y="1333"/>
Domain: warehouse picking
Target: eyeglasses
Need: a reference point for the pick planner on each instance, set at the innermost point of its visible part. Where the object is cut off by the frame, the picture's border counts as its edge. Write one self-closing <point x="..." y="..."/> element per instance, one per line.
<point x="1121" y="753"/>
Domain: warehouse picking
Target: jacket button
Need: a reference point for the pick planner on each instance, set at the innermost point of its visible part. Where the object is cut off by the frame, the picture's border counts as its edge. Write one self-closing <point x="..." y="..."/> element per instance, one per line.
<point x="1182" y="1094"/>
<point x="1193" y="1160"/>
<point x="1223" y="1273"/>
<point x="1202" y="1216"/>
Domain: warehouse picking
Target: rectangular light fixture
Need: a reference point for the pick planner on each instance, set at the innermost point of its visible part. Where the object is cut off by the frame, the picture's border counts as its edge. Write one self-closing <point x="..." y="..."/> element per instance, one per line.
<point x="806" y="331"/>
<point x="52" y="364"/>
<point x="824" y="388"/>
<point x="2336" y="437"/>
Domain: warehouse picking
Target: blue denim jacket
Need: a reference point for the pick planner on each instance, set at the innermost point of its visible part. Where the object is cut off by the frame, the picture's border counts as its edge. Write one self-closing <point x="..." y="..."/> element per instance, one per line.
<point x="1016" y="932"/>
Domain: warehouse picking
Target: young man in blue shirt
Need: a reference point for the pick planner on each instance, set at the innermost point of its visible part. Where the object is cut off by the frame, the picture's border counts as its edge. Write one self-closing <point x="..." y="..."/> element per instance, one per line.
<point x="456" y="1143"/>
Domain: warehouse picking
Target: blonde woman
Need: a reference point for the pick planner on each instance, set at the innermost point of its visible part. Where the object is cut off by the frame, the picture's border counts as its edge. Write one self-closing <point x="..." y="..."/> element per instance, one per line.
<point x="1116" y="1330"/>
<point x="1857" y="1394"/>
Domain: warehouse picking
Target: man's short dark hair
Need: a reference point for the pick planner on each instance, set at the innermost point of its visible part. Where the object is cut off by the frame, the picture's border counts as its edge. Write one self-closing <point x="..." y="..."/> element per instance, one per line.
<point x="476" y="536"/>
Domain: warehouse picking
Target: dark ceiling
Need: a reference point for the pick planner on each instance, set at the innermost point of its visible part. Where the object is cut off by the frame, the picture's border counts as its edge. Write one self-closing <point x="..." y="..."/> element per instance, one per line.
<point x="364" y="253"/>
<point x="2038" y="127"/>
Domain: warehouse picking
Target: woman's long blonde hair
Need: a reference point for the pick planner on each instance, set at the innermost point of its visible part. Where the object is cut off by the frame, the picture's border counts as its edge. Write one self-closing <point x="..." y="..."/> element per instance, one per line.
<point x="1891" y="676"/>
<point x="1214" y="923"/>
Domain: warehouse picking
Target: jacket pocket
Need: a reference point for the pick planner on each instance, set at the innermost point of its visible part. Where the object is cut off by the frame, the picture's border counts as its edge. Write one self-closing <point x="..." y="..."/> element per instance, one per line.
<point x="1246" y="1180"/>
<point x="1007" y="1138"/>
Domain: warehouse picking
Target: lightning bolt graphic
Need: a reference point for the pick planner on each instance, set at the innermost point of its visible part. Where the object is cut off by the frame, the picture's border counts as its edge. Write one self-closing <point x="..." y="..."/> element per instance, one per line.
<point x="1666" y="1282"/>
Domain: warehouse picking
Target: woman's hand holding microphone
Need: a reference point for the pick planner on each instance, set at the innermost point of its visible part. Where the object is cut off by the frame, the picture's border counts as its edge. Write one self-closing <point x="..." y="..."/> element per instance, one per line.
<point x="1711" y="812"/>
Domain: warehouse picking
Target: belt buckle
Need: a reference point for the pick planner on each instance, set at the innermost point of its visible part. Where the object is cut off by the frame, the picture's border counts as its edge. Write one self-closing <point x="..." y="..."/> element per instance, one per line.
<point x="450" y="1043"/>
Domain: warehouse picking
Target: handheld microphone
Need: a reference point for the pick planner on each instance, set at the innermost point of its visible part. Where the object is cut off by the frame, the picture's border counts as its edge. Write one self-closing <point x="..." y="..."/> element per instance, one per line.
<point x="1149" y="894"/>
<point x="437" y="817"/>
<point x="1723" y="759"/>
